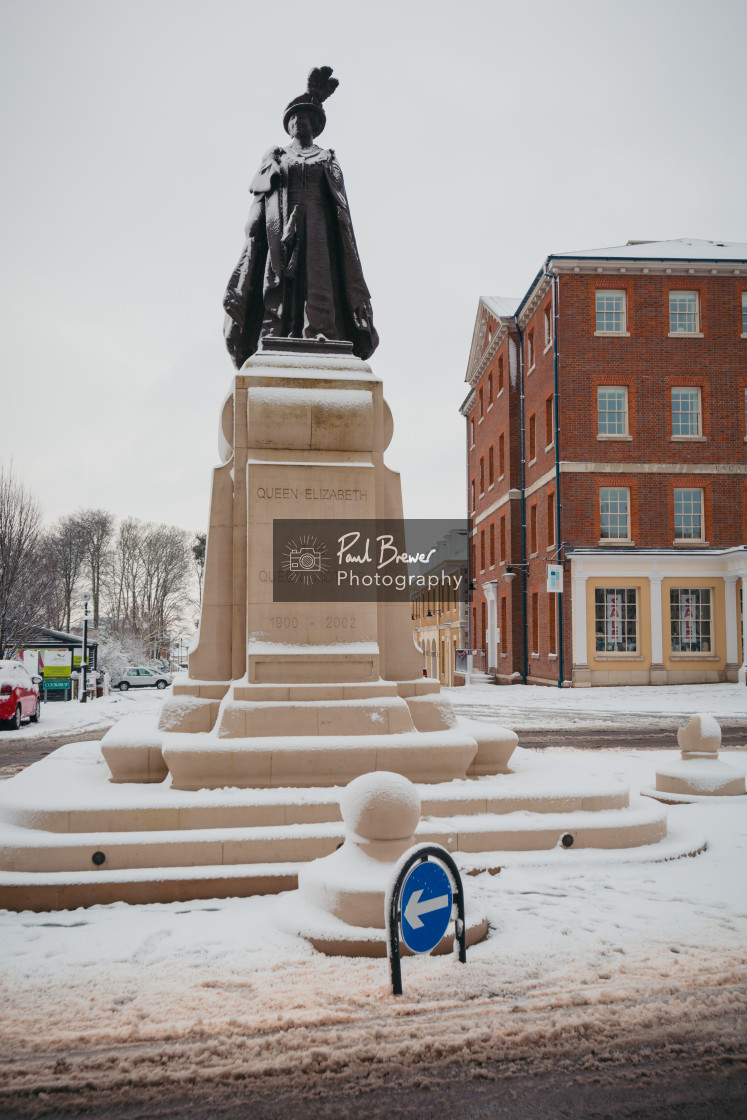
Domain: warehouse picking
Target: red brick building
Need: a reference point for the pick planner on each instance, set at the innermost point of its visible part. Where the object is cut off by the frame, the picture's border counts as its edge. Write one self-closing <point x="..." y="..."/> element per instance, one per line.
<point x="607" y="432"/>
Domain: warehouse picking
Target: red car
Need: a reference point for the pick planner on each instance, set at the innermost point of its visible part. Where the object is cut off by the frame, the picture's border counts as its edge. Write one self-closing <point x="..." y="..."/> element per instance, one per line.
<point x="19" y="695"/>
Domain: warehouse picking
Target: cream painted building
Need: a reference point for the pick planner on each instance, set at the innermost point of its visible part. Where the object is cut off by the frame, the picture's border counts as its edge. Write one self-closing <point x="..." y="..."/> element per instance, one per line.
<point x="657" y="616"/>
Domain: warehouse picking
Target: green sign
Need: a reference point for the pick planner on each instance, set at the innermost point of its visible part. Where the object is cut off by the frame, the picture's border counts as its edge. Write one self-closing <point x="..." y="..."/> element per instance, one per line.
<point x="56" y="684"/>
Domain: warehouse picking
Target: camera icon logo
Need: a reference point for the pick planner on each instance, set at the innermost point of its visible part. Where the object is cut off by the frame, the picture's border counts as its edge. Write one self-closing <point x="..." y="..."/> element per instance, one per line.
<point x="305" y="560"/>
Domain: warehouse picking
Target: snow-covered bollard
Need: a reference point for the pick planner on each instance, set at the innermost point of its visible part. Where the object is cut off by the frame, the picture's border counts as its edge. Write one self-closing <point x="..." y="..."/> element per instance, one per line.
<point x="699" y="736"/>
<point x="340" y="906"/>
<point x="380" y="812"/>
<point x="698" y="772"/>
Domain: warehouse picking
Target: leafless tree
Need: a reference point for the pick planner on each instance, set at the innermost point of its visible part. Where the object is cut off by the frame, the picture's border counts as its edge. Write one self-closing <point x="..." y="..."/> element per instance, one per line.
<point x="20" y="553"/>
<point x="166" y="563"/>
<point x="97" y="527"/>
<point x="122" y="578"/>
<point x="67" y="551"/>
<point x="147" y="582"/>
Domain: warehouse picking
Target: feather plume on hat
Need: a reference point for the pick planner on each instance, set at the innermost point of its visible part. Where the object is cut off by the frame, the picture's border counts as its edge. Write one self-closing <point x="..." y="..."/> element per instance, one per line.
<point x="319" y="86"/>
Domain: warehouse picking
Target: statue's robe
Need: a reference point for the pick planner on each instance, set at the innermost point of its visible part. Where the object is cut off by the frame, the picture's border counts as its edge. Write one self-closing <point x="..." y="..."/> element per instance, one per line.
<point x="299" y="274"/>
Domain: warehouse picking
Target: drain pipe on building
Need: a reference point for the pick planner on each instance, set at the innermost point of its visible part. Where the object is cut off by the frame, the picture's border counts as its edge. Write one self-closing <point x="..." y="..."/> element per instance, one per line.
<point x="525" y="649"/>
<point x="554" y="281"/>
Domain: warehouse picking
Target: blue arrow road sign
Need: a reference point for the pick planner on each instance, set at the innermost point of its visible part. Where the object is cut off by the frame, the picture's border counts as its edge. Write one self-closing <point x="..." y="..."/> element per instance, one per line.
<point x="425" y="906"/>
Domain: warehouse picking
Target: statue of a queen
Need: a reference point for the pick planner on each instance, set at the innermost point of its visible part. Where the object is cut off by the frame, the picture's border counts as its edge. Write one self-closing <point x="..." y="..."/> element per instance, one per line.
<point x="299" y="274"/>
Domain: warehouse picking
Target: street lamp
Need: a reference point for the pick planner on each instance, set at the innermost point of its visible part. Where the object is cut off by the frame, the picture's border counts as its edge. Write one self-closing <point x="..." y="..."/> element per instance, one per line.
<point x="84" y="652"/>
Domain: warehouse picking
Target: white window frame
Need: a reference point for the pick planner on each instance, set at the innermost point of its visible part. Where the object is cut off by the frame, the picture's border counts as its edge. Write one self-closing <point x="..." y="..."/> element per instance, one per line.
<point x="677" y="297"/>
<point x="698" y="413"/>
<point x="619" y="607"/>
<point x="681" y="491"/>
<point x="615" y="331"/>
<point x="548" y="328"/>
<point x="613" y="435"/>
<point x="609" y="491"/>
<point x="690" y="629"/>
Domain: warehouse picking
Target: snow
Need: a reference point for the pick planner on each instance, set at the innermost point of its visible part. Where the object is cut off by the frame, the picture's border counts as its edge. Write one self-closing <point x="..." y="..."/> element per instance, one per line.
<point x="351" y="400"/>
<point x="503" y="307"/>
<point x="309" y="365"/>
<point x="679" y="248"/>
<point x="96" y="715"/>
<point x="535" y="706"/>
<point x="588" y="961"/>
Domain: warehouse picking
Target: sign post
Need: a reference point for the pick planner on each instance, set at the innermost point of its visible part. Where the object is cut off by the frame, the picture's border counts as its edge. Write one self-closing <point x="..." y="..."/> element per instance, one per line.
<point x="425" y="887"/>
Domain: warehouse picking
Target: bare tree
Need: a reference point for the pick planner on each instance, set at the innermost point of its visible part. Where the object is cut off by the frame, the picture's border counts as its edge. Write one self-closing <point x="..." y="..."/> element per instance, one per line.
<point x="20" y="540"/>
<point x="166" y="558"/>
<point x="98" y="531"/>
<point x="147" y="582"/>
<point x="122" y="578"/>
<point x="67" y="550"/>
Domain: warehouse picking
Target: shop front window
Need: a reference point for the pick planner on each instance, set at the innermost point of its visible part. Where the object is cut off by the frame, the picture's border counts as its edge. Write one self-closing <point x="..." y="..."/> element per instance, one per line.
<point x="616" y="619"/>
<point x="690" y="613"/>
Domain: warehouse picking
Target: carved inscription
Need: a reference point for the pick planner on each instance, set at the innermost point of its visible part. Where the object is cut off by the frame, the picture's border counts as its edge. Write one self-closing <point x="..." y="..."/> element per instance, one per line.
<point x="310" y="494"/>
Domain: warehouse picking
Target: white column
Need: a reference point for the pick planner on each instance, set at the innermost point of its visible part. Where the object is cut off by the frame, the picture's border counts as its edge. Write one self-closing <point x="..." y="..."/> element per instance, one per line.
<point x="731" y="607"/>
<point x="492" y="638"/>
<point x="742" y="675"/>
<point x="657" y="673"/>
<point x="580" y="674"/>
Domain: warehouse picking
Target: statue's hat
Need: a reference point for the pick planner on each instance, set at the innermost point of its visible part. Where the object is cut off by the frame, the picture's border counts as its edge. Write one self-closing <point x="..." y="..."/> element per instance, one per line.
<point x="319" y="86"/>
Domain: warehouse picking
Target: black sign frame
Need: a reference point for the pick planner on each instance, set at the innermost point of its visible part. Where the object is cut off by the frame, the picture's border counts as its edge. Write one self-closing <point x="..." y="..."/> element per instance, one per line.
<point x="422" y="854"/>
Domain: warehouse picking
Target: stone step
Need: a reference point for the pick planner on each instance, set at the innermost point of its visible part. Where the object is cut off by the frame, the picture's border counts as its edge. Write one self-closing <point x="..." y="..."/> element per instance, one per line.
<point x="71" y="791"/>
<point x="312" y="760"/>
<point x="67" y="890"/>
<point x="373" y="715"/>
<point x="34" y="851"/>
<point x="64" y="890"/>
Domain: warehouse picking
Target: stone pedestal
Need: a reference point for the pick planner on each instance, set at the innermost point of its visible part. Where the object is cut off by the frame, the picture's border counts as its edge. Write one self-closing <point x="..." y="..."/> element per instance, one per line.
<point x="303" y="693"/>
<point x="699" y="773"/>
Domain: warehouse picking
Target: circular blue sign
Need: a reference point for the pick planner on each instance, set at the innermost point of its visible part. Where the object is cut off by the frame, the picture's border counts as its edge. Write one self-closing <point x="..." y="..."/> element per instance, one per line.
<point x="425" y="906"/>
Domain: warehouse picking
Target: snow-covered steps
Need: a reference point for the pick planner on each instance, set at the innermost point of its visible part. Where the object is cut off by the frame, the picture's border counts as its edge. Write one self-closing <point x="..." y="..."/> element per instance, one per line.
<point x="70" y="792"/>
<point x="24" y="849"/>
<point x="69" y="836"/>
<point x="66" y="890"/>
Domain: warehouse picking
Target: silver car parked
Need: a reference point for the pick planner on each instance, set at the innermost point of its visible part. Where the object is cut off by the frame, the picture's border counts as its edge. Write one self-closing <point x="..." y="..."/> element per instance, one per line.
<point x="141" y="678"/>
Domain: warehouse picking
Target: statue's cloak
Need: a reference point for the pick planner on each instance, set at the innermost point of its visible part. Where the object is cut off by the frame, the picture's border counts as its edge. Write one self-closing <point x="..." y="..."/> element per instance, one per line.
<point x="266" y="271"/>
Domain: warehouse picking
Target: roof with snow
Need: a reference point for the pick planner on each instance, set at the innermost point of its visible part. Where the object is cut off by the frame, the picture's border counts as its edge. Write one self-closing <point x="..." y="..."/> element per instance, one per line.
<point x="680" y="248"/>
<point x="504" y="307"/>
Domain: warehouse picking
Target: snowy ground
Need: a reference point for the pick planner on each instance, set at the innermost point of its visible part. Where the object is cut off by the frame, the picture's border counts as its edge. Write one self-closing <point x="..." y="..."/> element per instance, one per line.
<point x="532" y="706"/>
<point x="517" y="706"/>
<point x="604" y="989"/>
<point x="65" y="717"/>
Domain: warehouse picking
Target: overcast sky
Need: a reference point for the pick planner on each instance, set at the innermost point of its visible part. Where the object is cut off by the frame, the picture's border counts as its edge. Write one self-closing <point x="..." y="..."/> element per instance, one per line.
<point x="475" y="138"/>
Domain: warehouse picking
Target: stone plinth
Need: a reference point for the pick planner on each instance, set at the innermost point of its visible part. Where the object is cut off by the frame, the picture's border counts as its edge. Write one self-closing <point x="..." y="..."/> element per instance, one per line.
<point x="303" y="693"/>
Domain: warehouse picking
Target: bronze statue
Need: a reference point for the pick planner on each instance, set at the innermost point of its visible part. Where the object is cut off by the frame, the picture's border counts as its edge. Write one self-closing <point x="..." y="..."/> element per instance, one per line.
<point x="299" y="275"/>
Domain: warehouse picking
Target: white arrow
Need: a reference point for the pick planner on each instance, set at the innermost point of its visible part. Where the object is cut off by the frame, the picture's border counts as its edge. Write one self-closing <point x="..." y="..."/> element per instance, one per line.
<point x="415" y="907"/>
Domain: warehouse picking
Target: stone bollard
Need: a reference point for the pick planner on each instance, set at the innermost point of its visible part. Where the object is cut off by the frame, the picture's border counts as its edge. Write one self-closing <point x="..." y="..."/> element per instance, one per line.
<point x="380" y="811"/>
<point x="699" y="772"/>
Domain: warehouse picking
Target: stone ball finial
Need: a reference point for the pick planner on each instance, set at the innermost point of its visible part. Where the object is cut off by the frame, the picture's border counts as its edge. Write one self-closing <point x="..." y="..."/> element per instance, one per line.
<point x="380" y="806"/>
<point x="700" y="734"/>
